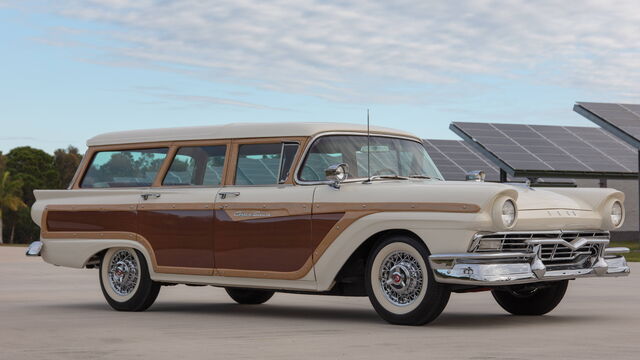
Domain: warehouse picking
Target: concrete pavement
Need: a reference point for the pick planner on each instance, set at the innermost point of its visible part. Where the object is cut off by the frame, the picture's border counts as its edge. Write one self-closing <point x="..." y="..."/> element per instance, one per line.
<point x="48" y="312"/>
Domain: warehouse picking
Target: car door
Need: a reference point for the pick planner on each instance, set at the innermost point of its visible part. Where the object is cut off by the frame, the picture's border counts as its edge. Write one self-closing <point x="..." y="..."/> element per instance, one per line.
<point x="177" y="215"/>
<point x="262" y="220"/>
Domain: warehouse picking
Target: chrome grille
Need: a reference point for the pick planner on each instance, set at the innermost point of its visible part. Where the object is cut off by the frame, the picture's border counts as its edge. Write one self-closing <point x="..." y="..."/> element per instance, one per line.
<point x="551" y="254"/>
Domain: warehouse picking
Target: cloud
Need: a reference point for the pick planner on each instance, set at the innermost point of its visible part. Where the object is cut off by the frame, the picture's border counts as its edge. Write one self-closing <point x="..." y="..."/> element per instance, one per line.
<point x="212" y="100"/>
<point x="388" y="51"/>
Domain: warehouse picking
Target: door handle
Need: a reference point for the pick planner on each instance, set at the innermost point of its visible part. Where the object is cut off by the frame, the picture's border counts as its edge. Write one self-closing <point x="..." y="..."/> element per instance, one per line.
<point x="224" y="194"/>
<point x="149" y="195"/>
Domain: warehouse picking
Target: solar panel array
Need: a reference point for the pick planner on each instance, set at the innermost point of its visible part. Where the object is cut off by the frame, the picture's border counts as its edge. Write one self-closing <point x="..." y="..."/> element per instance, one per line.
<point x="551" y="151"/>
<point x="454" y="158"/>
<point x="623" y="120"/>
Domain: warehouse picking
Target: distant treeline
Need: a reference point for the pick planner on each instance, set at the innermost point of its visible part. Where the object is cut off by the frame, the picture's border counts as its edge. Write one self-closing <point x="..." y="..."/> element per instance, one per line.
<point x="22" y="170"/>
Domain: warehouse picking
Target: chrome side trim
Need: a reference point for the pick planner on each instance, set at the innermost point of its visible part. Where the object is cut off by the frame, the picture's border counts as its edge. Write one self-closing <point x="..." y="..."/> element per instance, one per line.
<point x="616" y="250"/>
<point x="481" y="256"/>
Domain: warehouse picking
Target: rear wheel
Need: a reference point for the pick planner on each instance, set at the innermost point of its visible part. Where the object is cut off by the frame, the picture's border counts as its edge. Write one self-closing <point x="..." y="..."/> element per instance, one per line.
<point x="249" y="296"/>
<point x="125" y="281"/>
<point x="400" y="282"/>
<point x="531" y="300"/>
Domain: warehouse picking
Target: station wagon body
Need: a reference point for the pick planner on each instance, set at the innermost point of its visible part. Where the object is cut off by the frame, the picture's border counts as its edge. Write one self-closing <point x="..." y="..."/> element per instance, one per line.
<point x="318" y="208"/>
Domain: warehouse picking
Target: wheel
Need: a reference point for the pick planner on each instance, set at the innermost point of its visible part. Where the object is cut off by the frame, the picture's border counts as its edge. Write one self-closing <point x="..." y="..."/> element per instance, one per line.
<point x="400" y="283"/>
<point x="531" y="300"/>
<point x="249" y="296"/>
<point x="125" y="281"/>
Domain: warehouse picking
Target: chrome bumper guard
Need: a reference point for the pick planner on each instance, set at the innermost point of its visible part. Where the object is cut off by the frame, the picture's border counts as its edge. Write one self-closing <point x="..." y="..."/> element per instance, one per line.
<point x="34" y="248"/>
<point x="510" y="268"/>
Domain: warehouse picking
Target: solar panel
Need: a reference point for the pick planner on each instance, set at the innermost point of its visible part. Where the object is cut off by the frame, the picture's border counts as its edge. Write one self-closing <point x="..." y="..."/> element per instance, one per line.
<point x="454" y="158"/>
<point x="622" y="120"/>
<point x="551" y="151"/>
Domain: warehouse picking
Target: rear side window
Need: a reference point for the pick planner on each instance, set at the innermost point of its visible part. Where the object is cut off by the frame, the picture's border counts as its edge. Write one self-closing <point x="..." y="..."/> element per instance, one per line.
<point x="124" y="168"/>
<point x="196" y="165"/>
<point x="264" y="164"/>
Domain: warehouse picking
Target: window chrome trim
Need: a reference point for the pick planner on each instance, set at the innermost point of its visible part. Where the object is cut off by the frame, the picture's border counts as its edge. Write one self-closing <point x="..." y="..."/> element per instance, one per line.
<point x="298" y="181"/>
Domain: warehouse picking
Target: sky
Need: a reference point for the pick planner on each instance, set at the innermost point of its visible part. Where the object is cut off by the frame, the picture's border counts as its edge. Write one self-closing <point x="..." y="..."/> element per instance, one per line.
<point x="73" y="69"/>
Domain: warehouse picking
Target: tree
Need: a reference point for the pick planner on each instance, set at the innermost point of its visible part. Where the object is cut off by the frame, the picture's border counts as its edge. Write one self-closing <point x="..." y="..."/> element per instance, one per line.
<point x="66" y="162"/>
<point x="35" y="168"/>
<point x="10" y="191"/>
<point x="3" y="164"/>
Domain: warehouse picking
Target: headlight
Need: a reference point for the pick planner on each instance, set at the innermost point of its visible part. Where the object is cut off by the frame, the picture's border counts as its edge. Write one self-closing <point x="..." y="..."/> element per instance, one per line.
<point x="616" y="213"/>
<point x="508" y="213"/>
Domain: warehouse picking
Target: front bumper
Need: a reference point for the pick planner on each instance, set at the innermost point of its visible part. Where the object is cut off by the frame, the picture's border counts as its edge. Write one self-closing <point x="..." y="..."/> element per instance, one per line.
<point x="503" y="268"/>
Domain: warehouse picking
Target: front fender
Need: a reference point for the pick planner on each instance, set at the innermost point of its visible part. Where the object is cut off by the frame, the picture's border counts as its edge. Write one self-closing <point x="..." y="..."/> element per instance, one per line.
<point x="441" y="233"/>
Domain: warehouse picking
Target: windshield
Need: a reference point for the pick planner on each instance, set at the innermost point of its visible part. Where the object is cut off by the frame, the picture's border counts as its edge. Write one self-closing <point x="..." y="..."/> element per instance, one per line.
<point x="389" y="156"/>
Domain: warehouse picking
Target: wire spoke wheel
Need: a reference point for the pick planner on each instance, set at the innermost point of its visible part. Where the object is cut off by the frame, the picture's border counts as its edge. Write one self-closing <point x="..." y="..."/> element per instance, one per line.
<point x="125" y="280"/>
<point x="124" y="272"/>
<point x="401" y="278"/>
<point x="400" y="283"/>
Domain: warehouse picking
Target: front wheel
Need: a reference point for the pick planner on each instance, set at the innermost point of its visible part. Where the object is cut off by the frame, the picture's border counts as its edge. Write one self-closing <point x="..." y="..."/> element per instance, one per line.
<point x="400" y="283"/>
<point x="531" y="300"/>
<point x="125" y="281"/>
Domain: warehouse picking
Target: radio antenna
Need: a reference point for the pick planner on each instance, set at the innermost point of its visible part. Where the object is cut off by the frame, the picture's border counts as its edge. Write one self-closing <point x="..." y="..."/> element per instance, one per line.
<point x="368" y="150"/>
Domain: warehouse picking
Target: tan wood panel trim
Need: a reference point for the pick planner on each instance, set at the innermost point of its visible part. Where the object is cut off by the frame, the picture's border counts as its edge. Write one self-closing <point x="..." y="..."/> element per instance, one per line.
<point x="342" y="224"/>
<point x="82" y="168"/>
<point x="321" y="208"/>
<point x="165" y="166"/>
<point x="91" y="207"/>
<point x="176" y="206"/>
<point x="281" y="275"/>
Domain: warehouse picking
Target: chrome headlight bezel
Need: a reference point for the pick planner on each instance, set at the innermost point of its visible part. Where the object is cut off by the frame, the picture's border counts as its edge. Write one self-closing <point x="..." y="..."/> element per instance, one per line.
<point x="505" y="213"/>
<point x="609" y="221"/>
<point x="616" y="213"/>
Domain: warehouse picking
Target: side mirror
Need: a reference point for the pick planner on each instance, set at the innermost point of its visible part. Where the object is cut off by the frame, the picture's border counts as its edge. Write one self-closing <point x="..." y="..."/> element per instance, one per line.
<point x="476" y="175"/>
<point x="336" y="174"/>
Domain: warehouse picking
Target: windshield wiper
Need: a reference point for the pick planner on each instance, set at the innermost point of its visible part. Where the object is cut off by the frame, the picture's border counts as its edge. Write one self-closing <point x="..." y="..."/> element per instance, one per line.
<point x="420" y="177"/>
<point x="392" y="177"/>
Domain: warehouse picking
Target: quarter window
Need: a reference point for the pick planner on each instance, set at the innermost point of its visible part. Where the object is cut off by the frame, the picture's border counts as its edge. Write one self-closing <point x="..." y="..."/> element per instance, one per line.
<point x="196" y="165"/>
<point x="124" y="168"/>
<point x="264" y="164"/>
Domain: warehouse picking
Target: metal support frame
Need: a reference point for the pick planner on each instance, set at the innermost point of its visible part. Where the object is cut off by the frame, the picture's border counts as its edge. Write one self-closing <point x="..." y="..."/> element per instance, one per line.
<point x="603" y="183"/>
<point x="503" y="176"/>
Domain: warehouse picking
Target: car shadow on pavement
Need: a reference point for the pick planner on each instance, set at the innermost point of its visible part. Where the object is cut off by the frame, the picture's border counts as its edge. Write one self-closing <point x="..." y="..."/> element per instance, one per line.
<point x="468" y="320"/>
<point x="346" y="315"/>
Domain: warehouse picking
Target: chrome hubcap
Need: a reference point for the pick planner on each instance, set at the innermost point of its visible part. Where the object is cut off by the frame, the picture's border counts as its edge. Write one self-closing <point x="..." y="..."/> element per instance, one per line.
<point x="123" y="272"/>
<point x="401" y="278"/>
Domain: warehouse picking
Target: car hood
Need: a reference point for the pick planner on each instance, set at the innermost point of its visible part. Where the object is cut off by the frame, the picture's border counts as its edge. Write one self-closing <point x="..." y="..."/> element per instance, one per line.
<point x="542" y="199"/>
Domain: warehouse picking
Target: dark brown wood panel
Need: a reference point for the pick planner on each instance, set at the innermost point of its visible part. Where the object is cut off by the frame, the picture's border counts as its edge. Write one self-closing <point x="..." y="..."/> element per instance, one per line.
<point x="182" y="238"/>
<point x="270" y="244"/>
<point x="321" y="225"/>
<point x="92" y="220"/>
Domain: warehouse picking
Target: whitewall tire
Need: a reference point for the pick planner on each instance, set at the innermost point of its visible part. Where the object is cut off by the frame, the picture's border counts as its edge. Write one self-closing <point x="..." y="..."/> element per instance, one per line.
<point x="400" y="283"/>
<point x="125" y="281"/>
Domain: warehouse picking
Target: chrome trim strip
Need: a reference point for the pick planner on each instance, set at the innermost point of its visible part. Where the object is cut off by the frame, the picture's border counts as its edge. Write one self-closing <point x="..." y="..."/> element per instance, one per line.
<point x="616" y="250"/>
<point x="574" y="245"/>
<point x="481" y="256"/>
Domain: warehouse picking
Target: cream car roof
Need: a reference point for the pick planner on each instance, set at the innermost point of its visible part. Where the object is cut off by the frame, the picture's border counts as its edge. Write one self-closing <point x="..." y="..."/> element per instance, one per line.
<point x="234" y="131"/>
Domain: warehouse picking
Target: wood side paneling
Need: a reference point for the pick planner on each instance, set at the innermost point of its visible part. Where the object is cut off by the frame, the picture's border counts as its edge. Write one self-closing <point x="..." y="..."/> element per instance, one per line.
<point x="283" y="245"/>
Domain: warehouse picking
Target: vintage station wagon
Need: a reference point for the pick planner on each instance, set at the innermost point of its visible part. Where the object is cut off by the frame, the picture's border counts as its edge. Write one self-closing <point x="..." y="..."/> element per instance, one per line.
<point x="318" y="208"/>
